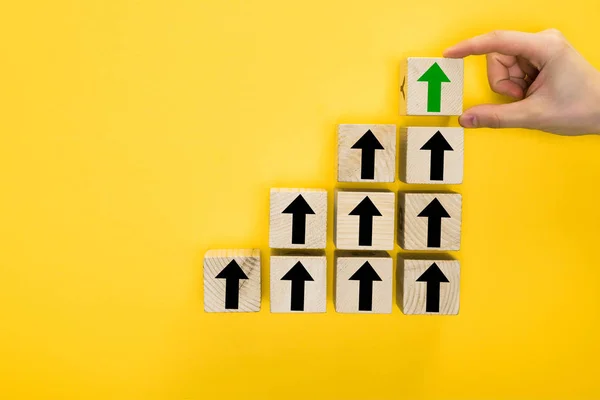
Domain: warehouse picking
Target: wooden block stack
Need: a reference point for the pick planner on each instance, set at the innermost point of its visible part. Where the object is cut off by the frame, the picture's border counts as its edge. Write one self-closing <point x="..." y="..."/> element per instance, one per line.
<point x="431" y="220"/>
<point x="365" y="219"/>
<point x="298" y="220"/>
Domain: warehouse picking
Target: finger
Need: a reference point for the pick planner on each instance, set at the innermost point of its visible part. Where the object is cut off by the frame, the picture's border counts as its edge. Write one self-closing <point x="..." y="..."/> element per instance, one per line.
<point x="520" y="114"/>
<point x="510" y="43"/>
<point x="503" y="77"/>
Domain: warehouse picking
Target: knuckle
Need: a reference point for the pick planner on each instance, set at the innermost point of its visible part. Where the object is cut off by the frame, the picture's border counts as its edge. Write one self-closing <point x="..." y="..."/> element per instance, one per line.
<point x="554" y="32"/>
<point x="555" y="39"/>
<point x="495" y="121"/>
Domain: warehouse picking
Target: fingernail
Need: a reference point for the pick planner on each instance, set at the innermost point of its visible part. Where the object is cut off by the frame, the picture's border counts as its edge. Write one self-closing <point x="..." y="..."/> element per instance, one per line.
<point x="468" y="121"/>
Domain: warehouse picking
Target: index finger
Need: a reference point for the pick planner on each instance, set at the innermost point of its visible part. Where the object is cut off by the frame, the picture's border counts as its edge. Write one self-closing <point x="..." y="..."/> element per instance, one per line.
<point x="511" y="43"/>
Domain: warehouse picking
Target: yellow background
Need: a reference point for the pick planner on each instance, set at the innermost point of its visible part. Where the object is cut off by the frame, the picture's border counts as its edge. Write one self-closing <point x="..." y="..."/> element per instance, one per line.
<point x="135" y="135"/>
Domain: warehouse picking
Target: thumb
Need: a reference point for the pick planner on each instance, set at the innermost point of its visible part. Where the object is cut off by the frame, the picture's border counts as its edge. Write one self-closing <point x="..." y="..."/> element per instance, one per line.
<point x="519" y="114"/>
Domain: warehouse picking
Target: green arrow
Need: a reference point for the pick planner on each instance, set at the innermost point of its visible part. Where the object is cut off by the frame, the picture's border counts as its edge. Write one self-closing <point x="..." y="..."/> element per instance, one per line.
<point x="434" y="76"/>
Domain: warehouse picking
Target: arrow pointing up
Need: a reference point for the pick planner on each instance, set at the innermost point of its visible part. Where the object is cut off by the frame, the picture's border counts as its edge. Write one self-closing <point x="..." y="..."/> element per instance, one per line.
<point x="434" y="277"/>
<point x="437" y="144"/>
<point x="232" y="274"/>
<point x="299" y="276"/>
<point x="365" y="210"/>
<point x="434" y="76"/>
<point x="368" y="143"/>
<point x="298" y="208"/>
<point x="435" y="212"/>
<point x="366" y="275"/>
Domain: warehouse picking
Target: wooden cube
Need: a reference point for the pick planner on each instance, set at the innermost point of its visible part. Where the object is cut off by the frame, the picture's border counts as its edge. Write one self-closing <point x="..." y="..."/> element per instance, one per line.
<point x="432" y="86"/>
<point x="430" y="221"/>
<point x="429" y="286"/>
<point x="364" y="220"/>
<point x="433" y="155"/>
<point x="363" y="283"/>
<point x="298" y="219"/>
<point x="298" y="284"/>
<point x="366" y="153"/>
<point x="232" y="280"/>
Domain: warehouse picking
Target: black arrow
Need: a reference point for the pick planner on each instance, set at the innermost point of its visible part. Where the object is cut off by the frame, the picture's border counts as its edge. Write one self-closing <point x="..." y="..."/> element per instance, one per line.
<point x="299" y="276"/>
<point x="435" y="212"/>
<point x="368" y="143"/>
<point x="366" y="210"/>
<point x="232" y="274"/>
<point x="298" y="208"/>
<point x="437" y="144"/>
<point x="366" y="275"/>
<point x="434" y="277"/>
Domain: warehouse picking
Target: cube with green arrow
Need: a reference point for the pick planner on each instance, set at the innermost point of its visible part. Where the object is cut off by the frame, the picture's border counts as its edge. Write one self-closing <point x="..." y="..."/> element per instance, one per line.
<point x="432" y="86"/>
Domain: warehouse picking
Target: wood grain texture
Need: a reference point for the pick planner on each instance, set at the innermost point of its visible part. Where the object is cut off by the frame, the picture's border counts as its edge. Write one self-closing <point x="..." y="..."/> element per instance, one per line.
<point x="417" y="168"/>
<point x="412" y="294"/>
<point x="346" y="231"/>
<point x="249" y="289"/>
<point x="413" y="94"/>
<point x="315" y="292"/>
<point x="346" y="295"/>
<point x="280" y="226"/>
<point x="350" y="159"/>
<point x="413" y="229"/>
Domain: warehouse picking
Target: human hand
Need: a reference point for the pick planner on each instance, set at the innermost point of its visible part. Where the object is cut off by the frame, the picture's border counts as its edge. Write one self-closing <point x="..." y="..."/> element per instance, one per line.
<point x="556" y="89"/>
